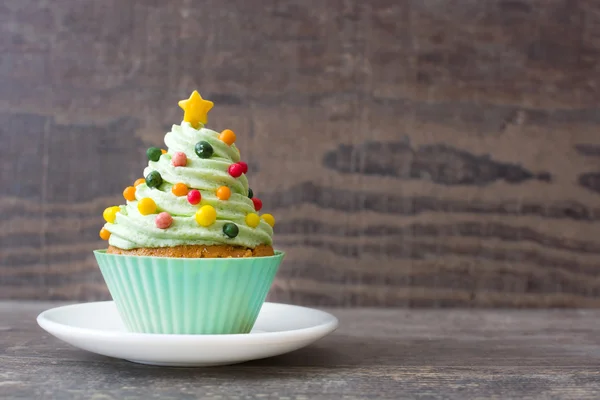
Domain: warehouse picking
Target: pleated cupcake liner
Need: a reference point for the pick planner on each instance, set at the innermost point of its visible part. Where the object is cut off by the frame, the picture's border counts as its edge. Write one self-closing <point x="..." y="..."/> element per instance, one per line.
<point x="188" y="296"/>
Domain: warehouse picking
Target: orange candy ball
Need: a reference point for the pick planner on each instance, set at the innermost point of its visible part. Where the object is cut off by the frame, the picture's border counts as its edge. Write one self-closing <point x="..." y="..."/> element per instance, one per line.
<point x="227" y="136"/>
<point x="163" y="151"/>
<point x="104" y="234"/>
<point x="223" y="193"/>
<point x="179" y="189"/>
<point x="139" y="181"/>
<point x="129" y="193"/>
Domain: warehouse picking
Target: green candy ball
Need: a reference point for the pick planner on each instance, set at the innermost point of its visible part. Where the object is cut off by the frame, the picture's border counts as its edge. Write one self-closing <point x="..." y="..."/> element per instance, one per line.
<point x="231" y="229"/>
<point x="250" y="193"/>
<point x="154" y="180"/>
<point x="153" y="153"/>
<point x="204" y="149"/>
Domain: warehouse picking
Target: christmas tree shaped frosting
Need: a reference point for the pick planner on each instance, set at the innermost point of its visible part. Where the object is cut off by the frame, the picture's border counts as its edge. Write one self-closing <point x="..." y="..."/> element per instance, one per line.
<point x="194" y="193"/>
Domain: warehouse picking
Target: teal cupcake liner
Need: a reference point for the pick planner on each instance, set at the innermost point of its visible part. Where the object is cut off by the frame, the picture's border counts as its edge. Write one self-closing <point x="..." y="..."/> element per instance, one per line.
<point x="186" y="295"/>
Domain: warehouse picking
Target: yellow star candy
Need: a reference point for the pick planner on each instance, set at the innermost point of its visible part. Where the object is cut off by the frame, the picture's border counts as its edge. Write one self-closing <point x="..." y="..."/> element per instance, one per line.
<point x="195" y="109"/>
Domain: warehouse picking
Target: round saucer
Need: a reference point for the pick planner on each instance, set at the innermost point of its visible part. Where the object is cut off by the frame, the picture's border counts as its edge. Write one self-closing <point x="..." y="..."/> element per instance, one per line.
<point x="97" y="327"/>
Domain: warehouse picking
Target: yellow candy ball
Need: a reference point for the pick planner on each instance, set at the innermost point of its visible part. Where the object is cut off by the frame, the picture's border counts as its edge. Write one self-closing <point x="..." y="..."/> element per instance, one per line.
<point x="110" y="214"/>
<point x="269" y="219"/>
<point x="252" y="220"/>
<point x="147" y="206"/>
<point x="206" y="215"/>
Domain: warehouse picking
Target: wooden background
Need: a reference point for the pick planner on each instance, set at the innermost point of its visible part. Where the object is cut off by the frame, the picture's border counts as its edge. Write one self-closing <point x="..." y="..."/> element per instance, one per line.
<point x="415" y="153"/>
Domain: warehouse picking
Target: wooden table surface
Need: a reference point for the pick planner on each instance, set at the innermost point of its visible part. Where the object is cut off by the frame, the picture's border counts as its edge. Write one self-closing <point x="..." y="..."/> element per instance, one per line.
<point x="376" y="353"/>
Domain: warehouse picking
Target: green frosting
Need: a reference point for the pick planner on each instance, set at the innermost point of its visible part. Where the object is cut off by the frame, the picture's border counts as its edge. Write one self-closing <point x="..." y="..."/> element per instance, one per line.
<point x="134" y="230"/>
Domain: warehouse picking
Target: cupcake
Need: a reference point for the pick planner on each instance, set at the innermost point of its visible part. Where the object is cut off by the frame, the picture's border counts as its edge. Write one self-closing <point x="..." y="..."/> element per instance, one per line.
<point x="189" y="252"/>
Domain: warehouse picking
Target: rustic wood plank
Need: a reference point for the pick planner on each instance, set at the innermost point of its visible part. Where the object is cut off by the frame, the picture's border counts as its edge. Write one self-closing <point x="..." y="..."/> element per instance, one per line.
<point x="376" y="353"/>
<point x="415" y="153"/>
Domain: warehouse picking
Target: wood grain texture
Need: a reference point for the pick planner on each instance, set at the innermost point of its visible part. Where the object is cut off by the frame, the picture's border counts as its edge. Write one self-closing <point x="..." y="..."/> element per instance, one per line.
<point x="375" y="354"/>
<point x="415" y="153"/>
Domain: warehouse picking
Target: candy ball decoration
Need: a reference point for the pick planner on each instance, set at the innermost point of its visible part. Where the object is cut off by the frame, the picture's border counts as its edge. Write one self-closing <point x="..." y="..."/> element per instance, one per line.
<point x="179" y="159"/>
<point x="194" y="197"/>
<point x="236" y="170"/>
<point x="252" y="220"/>
<point x="250" y="193"/>
<point x="147" y="206"/>
<point x="257" y="203"/>
<point x="231" y="230"/>
<point x="204" y="149"/>
<point x="163" y="151"/>
<point x="244" y="166"/>
<point x="110" y="214"/>
<point x="269" y="219"/>
<point x="154" y="180"/>
<point x="223" y="193"/>
<point x="139" y="182"/>
<point x="129" y="193"/>
<point x="179" y="189"/>
<point x="206" y="215"/>
<point x="153" y="153"/>
<point x="227" y="136"/>
<point x="104" y="234"/>
<point x="163" y="220"/>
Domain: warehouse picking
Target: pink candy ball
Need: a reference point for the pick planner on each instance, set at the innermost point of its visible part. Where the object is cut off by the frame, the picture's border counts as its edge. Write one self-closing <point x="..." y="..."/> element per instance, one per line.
<point x="163" y="220"/>
<point x="236" y="170"/>
<point x="179" y="159"/>
<point x="194" y="196"/>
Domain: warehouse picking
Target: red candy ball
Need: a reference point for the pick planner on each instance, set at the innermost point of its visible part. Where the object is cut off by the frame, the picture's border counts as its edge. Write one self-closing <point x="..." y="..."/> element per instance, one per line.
<point x="257" y="203"/>
<point x="194" y="196"/>
<point x="244" y="166"/>
<point x="179" y="159"/>
<point x="163" y="220"/>
<point x="236" y="170"/>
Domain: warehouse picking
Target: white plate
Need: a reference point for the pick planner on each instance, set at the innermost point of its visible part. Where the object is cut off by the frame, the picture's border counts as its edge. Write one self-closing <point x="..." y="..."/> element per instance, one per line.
<point x="97" y="327"/>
